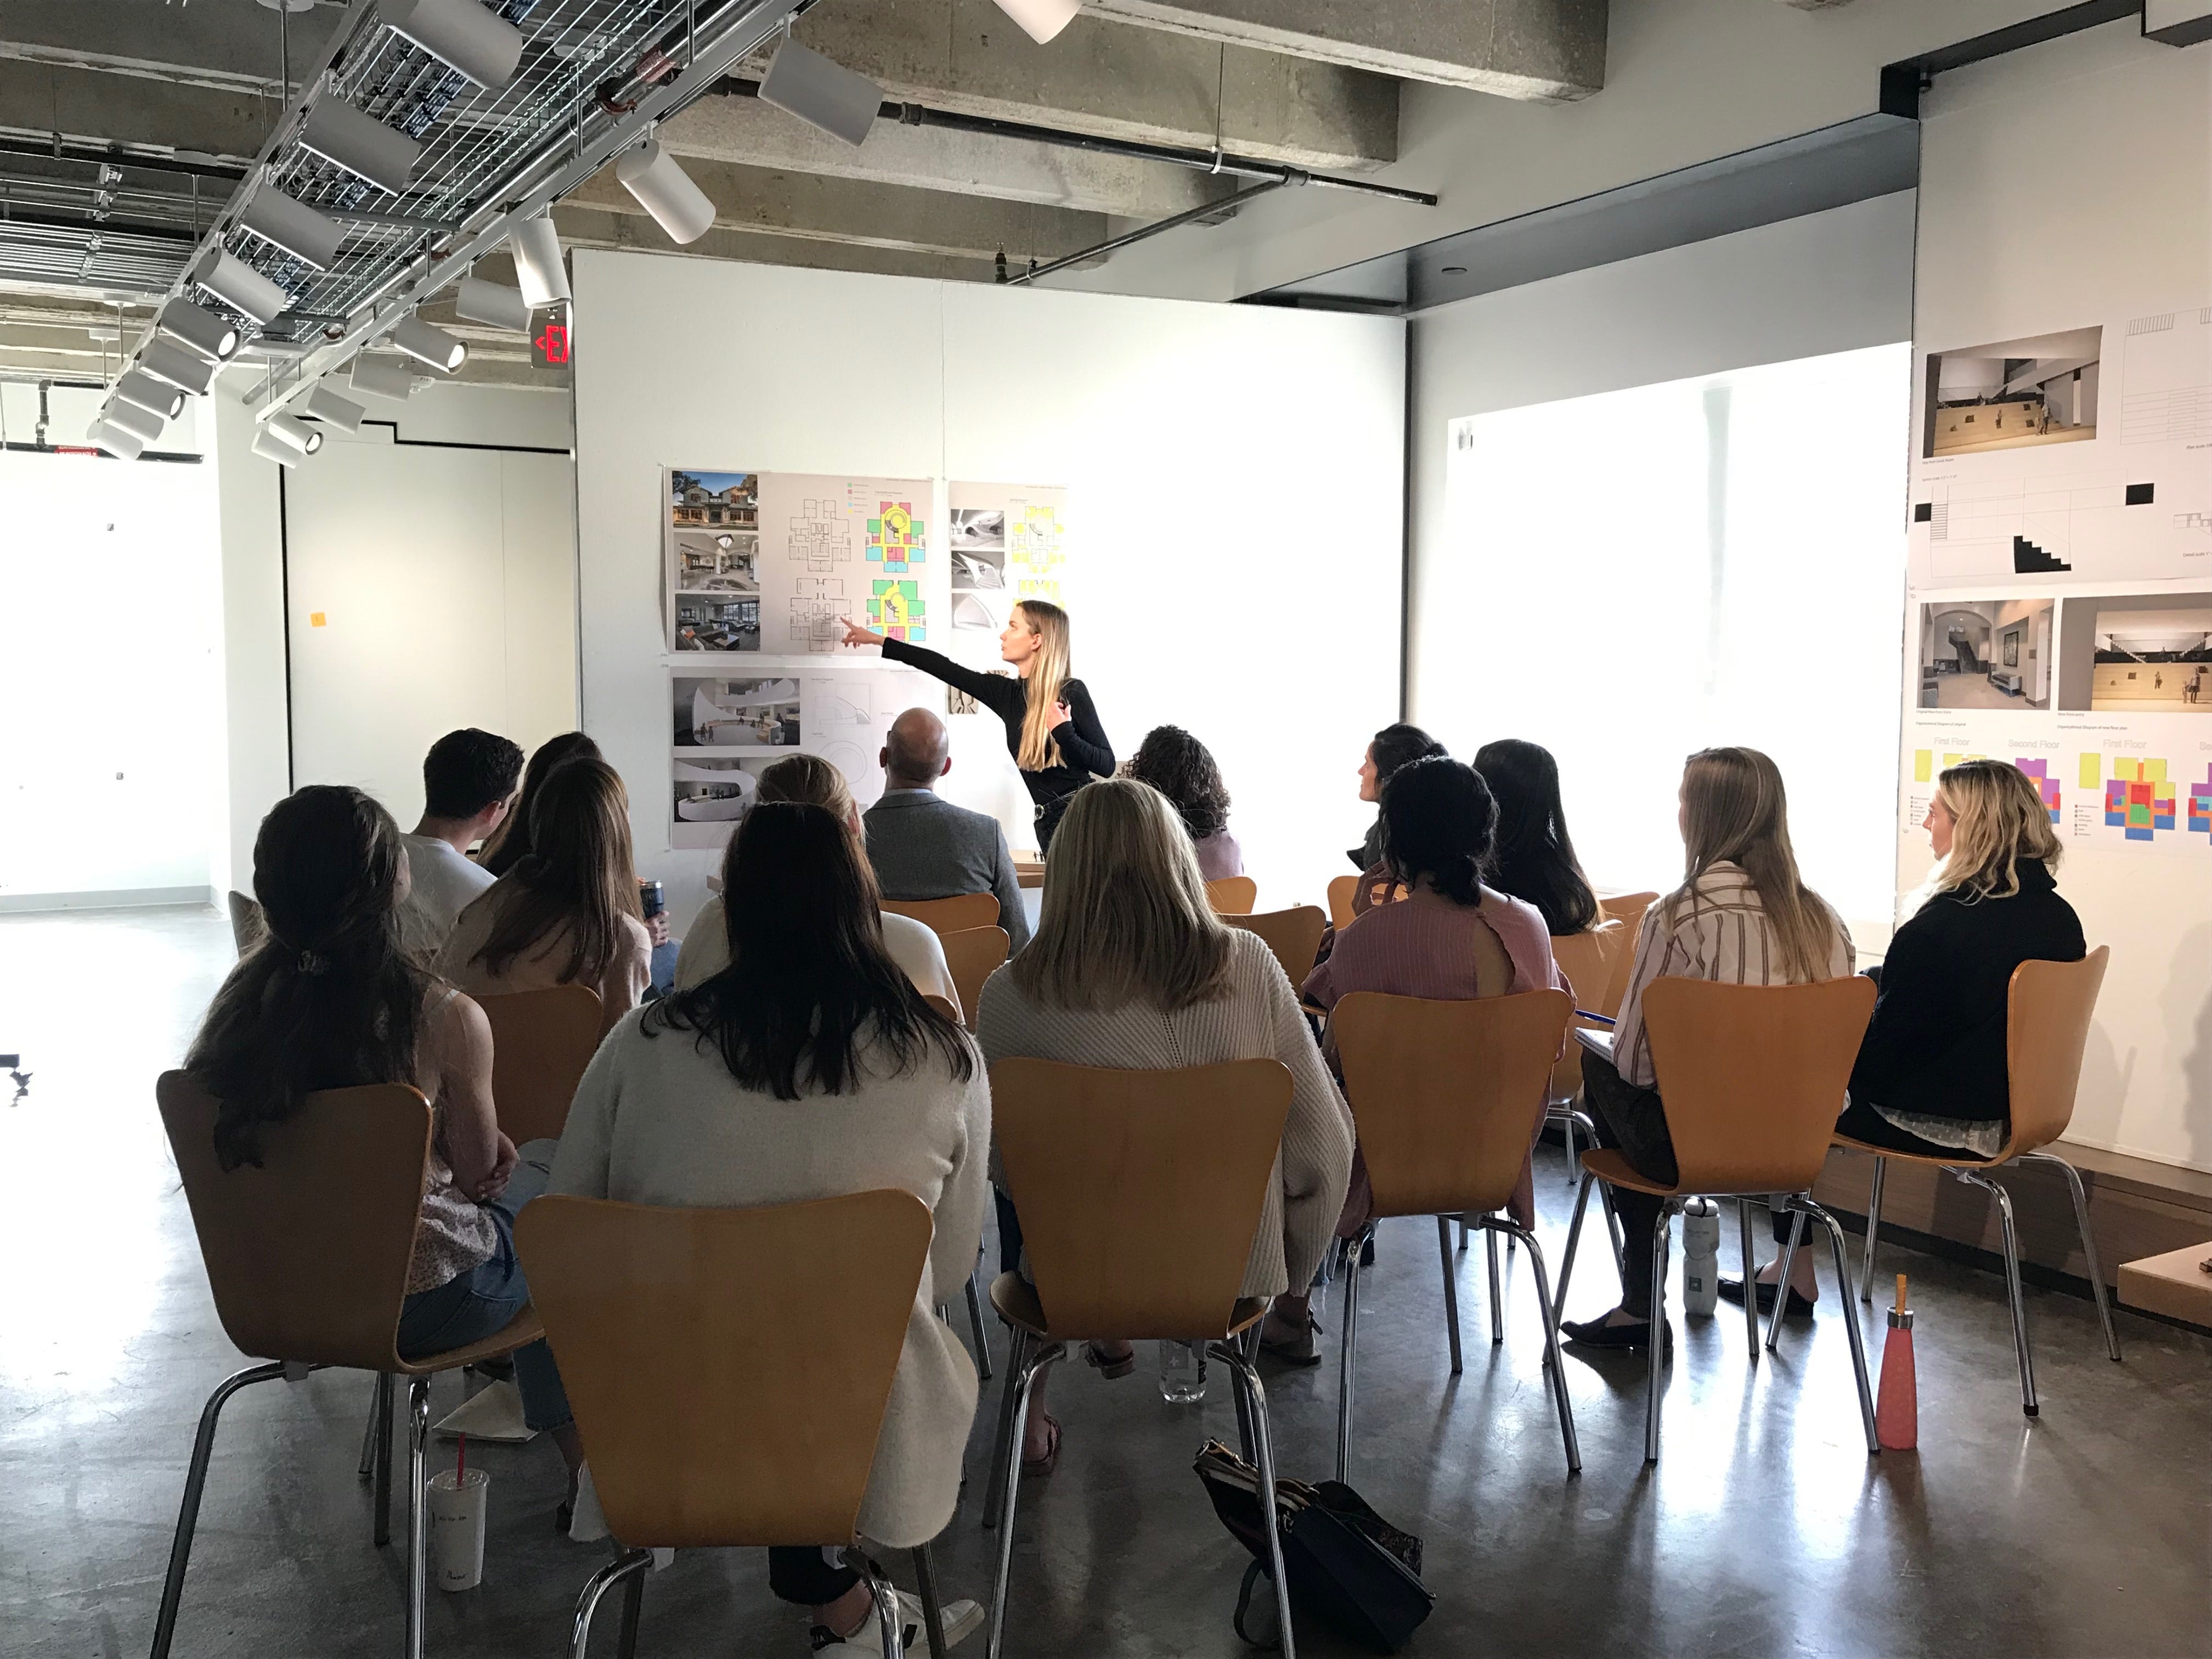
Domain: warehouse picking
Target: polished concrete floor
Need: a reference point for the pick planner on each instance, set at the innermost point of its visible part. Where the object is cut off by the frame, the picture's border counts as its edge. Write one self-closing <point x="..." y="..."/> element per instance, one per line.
<point x="1766" y="1529"/>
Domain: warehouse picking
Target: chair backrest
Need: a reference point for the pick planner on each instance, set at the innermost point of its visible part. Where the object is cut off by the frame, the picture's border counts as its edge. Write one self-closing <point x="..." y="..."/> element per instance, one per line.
<point x="1447" y="1094"/>
<point x="955" y="914"/>
<point x="541" y="1041"/>
<point x="2047" y="1014"/>
<point x="729" y="1369"/>
<point x="1340" y="891"/>
<point x="1629" y="910"/>
<point x="247" y="926"/>
<point x="943" y="1007"/>
<point x="1232" y="896"/>
<point x="1753" y="1077"/>
<point x="307" y="1255"/>
<point x="1293" y="935"/>
<point x="1590" y="960"/>
<point x="1140" y="1191"/>
<point x="973" y="955"/>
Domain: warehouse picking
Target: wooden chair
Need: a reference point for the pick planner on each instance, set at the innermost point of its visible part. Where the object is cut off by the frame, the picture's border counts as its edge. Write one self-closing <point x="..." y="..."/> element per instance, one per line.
<point x="1592" y="961"/>
<point x="1293" y="935"/>
<point x="975" y="1301"/>
<point x="973" y="955"/>
<point x="1232" y="896"/>
<point x="307" y="1257"/>
<point x="1447" y="1097"/>
<point x="1753" y="1077"/>
<point x="1140" y="1193"/>
<point x="720" y="1407"/>
<point x="1629" y="910"/>
<point x="943" y="1007"/>
<point x="541" y="1042"/>
<point x="247" y="925"/>
<point x="2048" y="1008"/>
<point x="955" y="914"/>
<point x="1341" y="890"/>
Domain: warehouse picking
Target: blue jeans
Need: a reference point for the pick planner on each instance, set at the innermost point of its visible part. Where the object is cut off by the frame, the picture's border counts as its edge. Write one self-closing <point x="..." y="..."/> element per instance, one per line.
<point x="478" y="1303"/>
<point x="664" y="968"/>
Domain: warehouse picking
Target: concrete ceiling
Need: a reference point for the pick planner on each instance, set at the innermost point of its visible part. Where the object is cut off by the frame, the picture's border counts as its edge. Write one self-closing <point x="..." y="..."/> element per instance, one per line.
<point x="125" y="124"/>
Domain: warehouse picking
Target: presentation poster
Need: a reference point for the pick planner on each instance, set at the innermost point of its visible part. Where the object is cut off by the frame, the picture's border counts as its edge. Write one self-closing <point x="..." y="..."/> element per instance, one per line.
<point x="1006" y="543"/>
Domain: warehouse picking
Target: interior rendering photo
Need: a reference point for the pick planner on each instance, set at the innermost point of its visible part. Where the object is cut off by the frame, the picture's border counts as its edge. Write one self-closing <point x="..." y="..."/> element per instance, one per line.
<point x="1986" y="653"/>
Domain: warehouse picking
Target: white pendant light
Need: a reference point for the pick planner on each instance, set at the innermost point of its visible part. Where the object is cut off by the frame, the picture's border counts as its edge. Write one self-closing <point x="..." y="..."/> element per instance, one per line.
<point x="383" y="377"/>
<point x="460" y="35"/>
<point x="270" y="447"/>
<point x="302" y="232"/>
<point x="535" y="248"/>
<point x="361" y="144"/>
<point x="198" y="327"/>
<point x="665" y="191"/>
<point x="1041" y="19"/>
<point x="123" y="446"/>
<point x="295" y="432"/>
<point x="428" y="345"/>
<point x="142" y="424"/>
<point x="325" y="405"/>
<point x="821" y="92"/>
<point x="492" y="303"/>
<point x="235" y="283"/>
<point x="165" y="360"/>
<point x="156" y="398"/>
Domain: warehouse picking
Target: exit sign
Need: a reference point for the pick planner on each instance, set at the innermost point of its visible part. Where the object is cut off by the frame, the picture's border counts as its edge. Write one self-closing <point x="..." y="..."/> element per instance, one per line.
<point x="549" y="342"/>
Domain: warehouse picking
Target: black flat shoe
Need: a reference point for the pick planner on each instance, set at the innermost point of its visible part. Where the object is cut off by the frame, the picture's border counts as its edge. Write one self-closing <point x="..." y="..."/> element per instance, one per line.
<point x="1801" y="1307"/>
<point x="1600" y="1334"/>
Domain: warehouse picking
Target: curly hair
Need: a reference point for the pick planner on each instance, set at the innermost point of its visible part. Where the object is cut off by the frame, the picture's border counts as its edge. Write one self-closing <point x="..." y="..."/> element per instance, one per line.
<point x="1181" y="768"/>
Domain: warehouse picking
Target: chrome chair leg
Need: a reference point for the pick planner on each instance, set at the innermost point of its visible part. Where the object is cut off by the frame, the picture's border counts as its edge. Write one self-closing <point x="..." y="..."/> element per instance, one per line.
<point x="1020" y="1380"/>
<point x="1750" y="1277"/>
<point x="1002" y="1444"/>
<point x="1613" y="1231"/>
<point x="1574" y="1238"/>
<point x="1462" y="1230"/>
<point x="418" y="1513"/>
<point x="975" y="1324"/>
<point x="1497" y="1294"/>
<point x="1873" y="1231"/>
<point x="887" y="1604"/>
<point x="1662" y="1233"/>
<point x="1247" y="1378"/>
<point x="1781" y="1277"/>
<point x="380" y="1528"/>
<point x="2021" y="1351"/>
<point x="1451" y="1286"/>
<point x="188" y="1513"/>
<point x="632" y="1607"/>
<point x="2088" y="1246"/>
<point x="1346" y="1358"/>
<point x="376" y="1402"/>
<point x="1803" y="1206"/>
<point x="1245" y="1442"/>
<point x="1567" y="1133"/>
<point x="588" y="1604"/>
<point x="933" y="1609"/>
<point x="1507" y="1224"/>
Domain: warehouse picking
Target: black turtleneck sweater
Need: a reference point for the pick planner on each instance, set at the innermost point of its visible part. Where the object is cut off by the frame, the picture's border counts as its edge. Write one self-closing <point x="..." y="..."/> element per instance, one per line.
<point x="1084" y="751"/>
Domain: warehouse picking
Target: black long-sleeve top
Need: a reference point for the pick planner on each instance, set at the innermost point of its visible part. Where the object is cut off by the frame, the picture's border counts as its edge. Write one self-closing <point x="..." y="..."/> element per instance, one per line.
<point x="1085" y="752"/>
<point x="1935" y="1046"/>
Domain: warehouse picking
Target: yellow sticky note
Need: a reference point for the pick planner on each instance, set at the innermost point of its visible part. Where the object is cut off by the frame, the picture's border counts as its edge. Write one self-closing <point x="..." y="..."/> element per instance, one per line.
<point x="1923" y="765"/>
<point x="2092" y="771"/>
<point x="315" y="619"/>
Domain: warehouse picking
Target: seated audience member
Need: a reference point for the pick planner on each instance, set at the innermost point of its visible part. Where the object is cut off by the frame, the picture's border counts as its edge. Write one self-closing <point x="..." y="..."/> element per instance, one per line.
<point x="1742" y="917"/>
<point x="1393" y="746"/>
<point x="1181" y="768"/>
<point x="567" y="913"/>
<point x="468" y="784"/>
<point x="1534" y="858"/>
<point x="807" y="1067"/>
<point x="329" y="1000"/>
<point x="1451" y="938"/>
<point x="812" y="781"/>
<point x="1131" y="968"/>
<point x="923" y="847"/>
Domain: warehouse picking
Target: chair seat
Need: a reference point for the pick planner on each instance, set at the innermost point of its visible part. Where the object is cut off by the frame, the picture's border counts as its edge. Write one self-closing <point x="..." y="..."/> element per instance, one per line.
<point x="1609" y="1166"/>
<point x="519" y="1331"/>
<point x="1016" y="1300"/>
<point x="1962" y="1159"/>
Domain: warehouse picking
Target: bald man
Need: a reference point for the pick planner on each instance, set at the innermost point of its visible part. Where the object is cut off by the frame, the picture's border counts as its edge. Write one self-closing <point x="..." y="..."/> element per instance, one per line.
<point x="924" y="847"/>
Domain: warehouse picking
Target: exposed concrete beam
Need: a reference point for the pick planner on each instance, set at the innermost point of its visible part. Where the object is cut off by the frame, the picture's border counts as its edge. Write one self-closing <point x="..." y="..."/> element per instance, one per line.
<point x="226" y="46"/>
<point x="632" y="233"/>
<point x="724" y="128"/>
<point x="966" y="56"/>
<point x="111" y="109"/>
<point x="1545" y="50"/>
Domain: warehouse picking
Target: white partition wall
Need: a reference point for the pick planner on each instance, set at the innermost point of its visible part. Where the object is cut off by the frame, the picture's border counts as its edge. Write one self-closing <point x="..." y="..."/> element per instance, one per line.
<point x="1233" y="508"/>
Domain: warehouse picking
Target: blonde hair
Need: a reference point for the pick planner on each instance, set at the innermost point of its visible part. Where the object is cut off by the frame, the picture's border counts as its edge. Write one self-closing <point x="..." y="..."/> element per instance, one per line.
<point x="1047" y="677"/>
<point x="809" y="781"/>
<point x="1736" y="812"/>
<point x="1999" y="820"/>
<point x="1125" y="917"/>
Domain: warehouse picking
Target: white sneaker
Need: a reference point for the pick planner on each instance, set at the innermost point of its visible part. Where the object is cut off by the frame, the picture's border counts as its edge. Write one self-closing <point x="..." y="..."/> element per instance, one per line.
<point x="962" y="1620"/>
<point x="865" y="1643"/>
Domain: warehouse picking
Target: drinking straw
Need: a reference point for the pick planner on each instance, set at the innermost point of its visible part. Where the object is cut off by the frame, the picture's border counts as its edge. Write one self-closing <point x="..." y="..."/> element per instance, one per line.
<point x="461" y="1469"/>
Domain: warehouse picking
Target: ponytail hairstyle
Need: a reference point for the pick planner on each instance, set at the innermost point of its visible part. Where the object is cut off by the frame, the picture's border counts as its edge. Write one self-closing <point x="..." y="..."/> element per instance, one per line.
<point x="327" y="999"/>
<point x="1439" y="821"/>
<point x="1734" y="812"/>
<point x="1049" y="676"/>
<point x="2001" y="821"/>
<point x="577" y="880"/>
<point x="1534" y="857"/>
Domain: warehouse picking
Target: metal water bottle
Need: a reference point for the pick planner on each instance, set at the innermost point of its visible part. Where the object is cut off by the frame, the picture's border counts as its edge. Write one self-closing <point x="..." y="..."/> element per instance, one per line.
<point x="1701" y="1256"/>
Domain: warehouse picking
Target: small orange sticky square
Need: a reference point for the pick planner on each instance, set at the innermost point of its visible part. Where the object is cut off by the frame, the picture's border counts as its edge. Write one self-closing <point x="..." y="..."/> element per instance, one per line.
<point x="315" y="619"/>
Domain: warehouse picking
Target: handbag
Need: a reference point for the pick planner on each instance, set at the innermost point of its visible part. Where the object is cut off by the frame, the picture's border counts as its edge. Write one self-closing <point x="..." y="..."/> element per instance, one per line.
<point x="1347" y="1567"/>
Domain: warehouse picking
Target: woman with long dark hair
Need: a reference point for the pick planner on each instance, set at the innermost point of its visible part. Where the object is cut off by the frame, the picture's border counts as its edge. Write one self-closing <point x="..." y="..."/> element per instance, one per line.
<point x="1181" y="768"/>
<point x="1395" y="745"/>
<point x="328" y="1000"/>
<point x="808" y="1066"/>
<point x="1533" y="857"/>
<point x="507" y="843"/>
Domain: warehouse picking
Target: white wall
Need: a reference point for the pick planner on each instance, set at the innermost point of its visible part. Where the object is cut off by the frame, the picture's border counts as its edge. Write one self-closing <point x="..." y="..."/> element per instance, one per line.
<point x="255" y="695"/>
<point x="1235" y="493"/>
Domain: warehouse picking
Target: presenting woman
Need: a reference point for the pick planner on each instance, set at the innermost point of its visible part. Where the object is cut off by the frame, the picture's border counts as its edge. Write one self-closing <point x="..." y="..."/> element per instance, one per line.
<point x="1052" y="730"/>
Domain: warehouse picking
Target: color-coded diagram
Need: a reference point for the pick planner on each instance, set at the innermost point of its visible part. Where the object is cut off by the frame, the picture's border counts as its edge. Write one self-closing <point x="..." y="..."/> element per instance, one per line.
<point x="1033" y="548"/>
<point x="896" y="610"/>
<point x="2138" y="800"/>
<point x="2046" y="786"/>
<point x="898" y="540"/>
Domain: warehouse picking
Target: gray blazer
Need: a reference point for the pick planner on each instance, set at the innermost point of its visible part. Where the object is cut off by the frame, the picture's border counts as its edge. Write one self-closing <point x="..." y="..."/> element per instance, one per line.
<point x="924" y="848"/>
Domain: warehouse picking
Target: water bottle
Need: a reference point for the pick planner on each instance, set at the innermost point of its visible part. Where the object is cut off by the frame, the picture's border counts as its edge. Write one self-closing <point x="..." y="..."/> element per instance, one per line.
<point x="1701" y="1256"/>
<point x="1183" y="1372"/>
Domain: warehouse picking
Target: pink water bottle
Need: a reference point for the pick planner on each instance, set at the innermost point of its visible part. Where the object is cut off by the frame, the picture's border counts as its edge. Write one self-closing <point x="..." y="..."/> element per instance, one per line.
<point x="1896" y="1405"/>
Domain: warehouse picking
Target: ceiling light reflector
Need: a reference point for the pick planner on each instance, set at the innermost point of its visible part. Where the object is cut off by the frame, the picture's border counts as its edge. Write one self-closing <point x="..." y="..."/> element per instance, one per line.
<point x="665" y="191"/>
<point x="821" y="92"/>
<point x="1041" y="19"/>
<point x="359" y="144"/>
<point x="188" y="370"/>
<point x="236" y="283"/>
<point x="198" y="327"/>
<point x="123" y="446"/>
<point x="536" y="247"/>
<point x="428" y="345"/>
<point x="297" y="433"/>
<point x="270" y="447"/>
<point x="143" y="424"/>
<point x="492" y="303"/>
<point x="383" y="377"/>
<point x="325" y="405"/>
<point x="156" y="397"/>
<point x="460" y="35"/>
<point x="302" y="232"/>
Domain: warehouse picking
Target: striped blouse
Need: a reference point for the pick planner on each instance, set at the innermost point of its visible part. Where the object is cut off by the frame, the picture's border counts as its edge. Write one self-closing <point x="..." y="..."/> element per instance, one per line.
<point x="1721" y="935"/>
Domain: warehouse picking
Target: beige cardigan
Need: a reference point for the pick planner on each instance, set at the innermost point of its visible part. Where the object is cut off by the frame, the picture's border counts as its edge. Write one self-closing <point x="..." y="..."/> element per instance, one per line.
<point x="656" y="1120"/>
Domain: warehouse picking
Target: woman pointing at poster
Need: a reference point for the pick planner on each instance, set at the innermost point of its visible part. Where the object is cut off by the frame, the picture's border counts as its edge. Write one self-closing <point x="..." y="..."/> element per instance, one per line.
<point x="1052" y="730"/>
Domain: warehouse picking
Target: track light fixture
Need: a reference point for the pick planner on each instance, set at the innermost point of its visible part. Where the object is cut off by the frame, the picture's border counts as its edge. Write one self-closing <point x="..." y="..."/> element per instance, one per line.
<point x="492" y="303"/>
<point x="123" y="446"/>
<point x="187" y="370"/>
<point x="143" y="424"/>
<point x="238" y="284"/>
<point x="270" y="447"/>
<point x="383" y="377"/>
<point x="198" y="327"/>
<point x="820" y="92"/>
<point x="361" y="144"/>
<point x="460" y="35"/>
<point x="325" y="405"/>
<point x="295" y="432"/>
<point x="536" y="247"/>
<point x="665" y="191"/>
<point x="428" y="345"/>
<point x="1041" y="19"/>
<point x="292" y="225"/>
<point x="156" y="397"/>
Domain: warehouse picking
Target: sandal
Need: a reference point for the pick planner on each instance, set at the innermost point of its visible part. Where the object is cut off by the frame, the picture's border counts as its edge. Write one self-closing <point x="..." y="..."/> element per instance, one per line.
<point x="1300" y="1350"/>
<point x="1097" y="1360"/>
<point x="1046" y="1464"/>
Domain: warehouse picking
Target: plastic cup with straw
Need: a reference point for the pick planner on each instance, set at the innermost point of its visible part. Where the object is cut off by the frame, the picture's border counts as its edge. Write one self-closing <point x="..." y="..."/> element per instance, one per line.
<point x="456" y="1524"/>
<point x="1897" y="1405"/>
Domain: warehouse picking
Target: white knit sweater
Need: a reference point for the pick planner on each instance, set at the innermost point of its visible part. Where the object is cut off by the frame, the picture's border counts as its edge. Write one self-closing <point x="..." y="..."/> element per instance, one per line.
<point x="1258" y="1019"/>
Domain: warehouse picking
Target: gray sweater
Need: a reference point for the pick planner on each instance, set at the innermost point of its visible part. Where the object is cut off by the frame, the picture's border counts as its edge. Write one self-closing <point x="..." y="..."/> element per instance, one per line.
<point x="923" y="847"/>
<point x="1258" y="1019"/>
